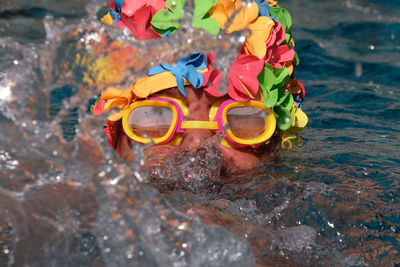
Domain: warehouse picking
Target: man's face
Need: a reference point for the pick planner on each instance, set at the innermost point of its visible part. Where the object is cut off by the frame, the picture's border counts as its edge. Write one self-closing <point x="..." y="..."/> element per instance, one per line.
<point x="199" y="104"/>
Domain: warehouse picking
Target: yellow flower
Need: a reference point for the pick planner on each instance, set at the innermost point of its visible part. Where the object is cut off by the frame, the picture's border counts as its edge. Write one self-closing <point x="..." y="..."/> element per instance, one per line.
<point x="299" y="122"/>
<point x="272" y="3"/>
<point x="107" y="19"/>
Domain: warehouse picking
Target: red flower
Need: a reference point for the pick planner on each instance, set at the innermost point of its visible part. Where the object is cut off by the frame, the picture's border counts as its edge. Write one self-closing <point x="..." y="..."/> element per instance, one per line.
<point x="277" y="35"/>
<point x="242" y="77"/>
<point x="98" y="108"/>
<point x="277" y="54"/>
<point x="110" y="131"/>
<point x="212" y="78"/>
<point x="136" y="15"/>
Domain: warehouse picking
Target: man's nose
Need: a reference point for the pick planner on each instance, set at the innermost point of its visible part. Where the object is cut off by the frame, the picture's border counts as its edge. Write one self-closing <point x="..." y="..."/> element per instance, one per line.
<point x="193" y="138"/>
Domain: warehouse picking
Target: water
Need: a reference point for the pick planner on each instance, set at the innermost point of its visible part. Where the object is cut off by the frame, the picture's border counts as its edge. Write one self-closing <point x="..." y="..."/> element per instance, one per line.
<point x="68" y="200"/>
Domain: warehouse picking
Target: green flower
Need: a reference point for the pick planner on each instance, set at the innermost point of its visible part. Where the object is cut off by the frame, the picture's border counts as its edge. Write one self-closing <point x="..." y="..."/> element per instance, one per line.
<point x="281" y="101"/>
<point x="283" y="17"/>
<point x="166" y="21"/>
<point x="201" y="17"/>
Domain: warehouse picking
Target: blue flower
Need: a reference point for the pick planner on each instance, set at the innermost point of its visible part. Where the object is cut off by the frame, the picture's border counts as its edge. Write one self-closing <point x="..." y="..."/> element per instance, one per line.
<point x="116" y="15"/>
<point x="186" y="67"/>
<point x="263" y="8"/>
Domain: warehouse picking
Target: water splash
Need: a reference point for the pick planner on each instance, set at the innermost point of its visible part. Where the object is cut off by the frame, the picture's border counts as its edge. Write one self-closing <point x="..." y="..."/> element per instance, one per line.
<point x="76" y="203"/>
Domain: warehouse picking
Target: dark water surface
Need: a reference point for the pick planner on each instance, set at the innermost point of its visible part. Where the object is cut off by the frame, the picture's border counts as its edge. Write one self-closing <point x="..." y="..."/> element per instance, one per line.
<point x="67" y="200"/>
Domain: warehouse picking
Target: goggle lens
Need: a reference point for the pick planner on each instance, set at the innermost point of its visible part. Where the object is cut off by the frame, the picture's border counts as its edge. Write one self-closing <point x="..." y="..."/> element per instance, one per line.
<point x="150" y="121"/>
<point x="247" y="122"/>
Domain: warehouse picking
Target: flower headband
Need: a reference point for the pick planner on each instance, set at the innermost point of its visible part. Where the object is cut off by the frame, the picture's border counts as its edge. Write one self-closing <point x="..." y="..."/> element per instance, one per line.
<point x="262" y="70"/>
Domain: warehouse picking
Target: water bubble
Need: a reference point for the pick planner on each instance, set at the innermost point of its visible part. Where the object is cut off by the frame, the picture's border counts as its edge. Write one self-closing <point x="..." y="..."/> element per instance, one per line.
<point x="139" y="176"/>
<point x="286" y="119"/>
<point x="5" y="92"/>
<point x="126" y="32"/>
<point x="12" y="164"/>
<point x="129" y="254"/>
<point x="182" y="226"/>
<point x="115" y="180"/>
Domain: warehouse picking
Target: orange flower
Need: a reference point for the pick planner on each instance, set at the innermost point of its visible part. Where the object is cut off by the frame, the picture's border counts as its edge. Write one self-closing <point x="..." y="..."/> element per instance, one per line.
<point x="246" y="18"/>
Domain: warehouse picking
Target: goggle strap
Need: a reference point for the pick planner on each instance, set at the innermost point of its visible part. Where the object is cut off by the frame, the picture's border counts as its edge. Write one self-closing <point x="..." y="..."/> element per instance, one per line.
<point x="209" y="125"/>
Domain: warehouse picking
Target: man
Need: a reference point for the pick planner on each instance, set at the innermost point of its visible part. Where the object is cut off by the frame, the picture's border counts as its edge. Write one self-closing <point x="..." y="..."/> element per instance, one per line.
<point x="181" y="106"/>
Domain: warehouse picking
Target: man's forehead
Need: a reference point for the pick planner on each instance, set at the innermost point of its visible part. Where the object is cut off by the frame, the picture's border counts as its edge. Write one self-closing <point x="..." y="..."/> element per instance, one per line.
<point x="173" y="92"/>
<point x="193" y="95"/>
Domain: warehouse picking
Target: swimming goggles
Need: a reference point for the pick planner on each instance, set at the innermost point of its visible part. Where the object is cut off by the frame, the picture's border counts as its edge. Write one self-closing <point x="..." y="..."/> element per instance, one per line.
<point x="163" y="120"/>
